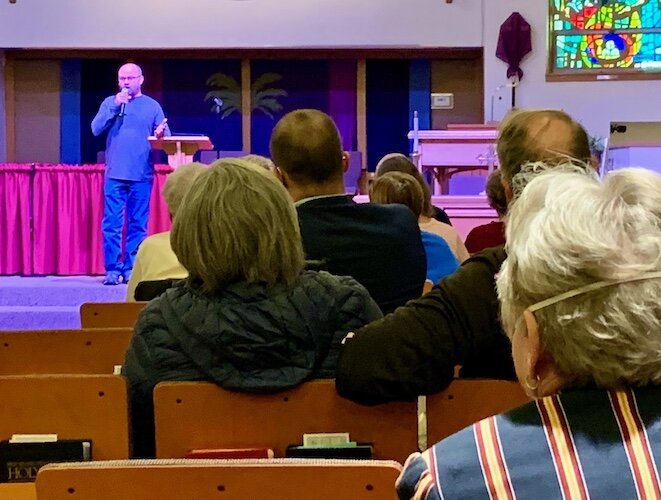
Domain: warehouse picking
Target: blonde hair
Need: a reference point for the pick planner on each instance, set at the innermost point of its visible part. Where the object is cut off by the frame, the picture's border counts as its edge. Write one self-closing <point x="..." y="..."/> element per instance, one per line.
<point x="398" y="187"/>
<point x="549" y="135"/>
<point x="237" y="223"/>
<point x="568" y="230"/>
<point x="178" y="183"/>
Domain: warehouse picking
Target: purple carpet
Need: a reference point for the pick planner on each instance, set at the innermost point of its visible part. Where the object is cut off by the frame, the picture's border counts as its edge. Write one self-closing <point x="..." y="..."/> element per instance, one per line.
<point x="50" y="302"/>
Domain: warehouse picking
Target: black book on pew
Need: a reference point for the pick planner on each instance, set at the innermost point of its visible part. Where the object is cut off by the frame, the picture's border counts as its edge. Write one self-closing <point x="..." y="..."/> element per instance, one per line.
<point x="20" y="461"/>
<point x="357" y="452"/>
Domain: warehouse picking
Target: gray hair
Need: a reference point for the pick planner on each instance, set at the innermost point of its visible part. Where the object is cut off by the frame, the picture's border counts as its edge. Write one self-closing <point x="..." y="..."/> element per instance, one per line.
<point x="568" y="230"/>
<point x="261" y="161"/>
<point x="238" y="223"/>
<point x="178" y="183"/>
<point x="530" y="170"/>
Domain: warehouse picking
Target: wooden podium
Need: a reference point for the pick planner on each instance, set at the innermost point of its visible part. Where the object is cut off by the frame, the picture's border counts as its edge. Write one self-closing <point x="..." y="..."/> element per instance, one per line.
<point x="459" y="149"/>
<point x="180" y="148"/>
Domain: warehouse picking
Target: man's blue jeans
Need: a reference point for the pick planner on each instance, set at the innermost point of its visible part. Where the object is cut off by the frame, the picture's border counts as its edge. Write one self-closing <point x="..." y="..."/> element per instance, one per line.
<point x="132" y="198"/>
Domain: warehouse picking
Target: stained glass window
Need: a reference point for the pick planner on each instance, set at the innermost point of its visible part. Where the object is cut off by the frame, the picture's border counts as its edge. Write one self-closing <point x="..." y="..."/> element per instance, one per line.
<point x="605" y="36"/>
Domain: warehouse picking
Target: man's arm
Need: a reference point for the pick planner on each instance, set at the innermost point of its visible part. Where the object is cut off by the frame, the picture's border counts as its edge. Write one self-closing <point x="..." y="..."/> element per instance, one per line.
<point x="105" y="116"/>
<point x="160" y="126"/>
<point x="414" y="350"/>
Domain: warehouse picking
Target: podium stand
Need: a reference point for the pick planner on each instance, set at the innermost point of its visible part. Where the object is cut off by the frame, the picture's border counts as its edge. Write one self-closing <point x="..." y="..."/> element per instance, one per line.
<point x="180" y="149"/>
<point x="461" y="148"/>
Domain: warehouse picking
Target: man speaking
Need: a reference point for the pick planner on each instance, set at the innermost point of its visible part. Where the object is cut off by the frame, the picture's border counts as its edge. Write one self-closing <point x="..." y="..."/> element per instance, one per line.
<point x="129" y="117"/>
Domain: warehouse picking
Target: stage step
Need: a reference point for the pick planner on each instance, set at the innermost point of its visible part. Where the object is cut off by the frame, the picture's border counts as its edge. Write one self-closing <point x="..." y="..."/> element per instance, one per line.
<point x="30" y="303"/>
<point x="39" y="317"/>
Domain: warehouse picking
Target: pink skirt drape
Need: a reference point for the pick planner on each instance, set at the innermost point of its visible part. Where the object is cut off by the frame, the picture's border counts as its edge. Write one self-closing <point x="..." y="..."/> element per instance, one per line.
<point x="67" y="209"/>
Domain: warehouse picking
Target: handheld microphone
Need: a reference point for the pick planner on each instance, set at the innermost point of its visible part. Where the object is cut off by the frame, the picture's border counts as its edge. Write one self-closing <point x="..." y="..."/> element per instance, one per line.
<point x="122" y="108"/>
<point x="218" y="102"/>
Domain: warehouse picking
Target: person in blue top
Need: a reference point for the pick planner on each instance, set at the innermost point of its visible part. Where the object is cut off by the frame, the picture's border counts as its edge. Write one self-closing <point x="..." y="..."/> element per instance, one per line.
<point x="403" y="188"/>
<point x="129" y="118"/>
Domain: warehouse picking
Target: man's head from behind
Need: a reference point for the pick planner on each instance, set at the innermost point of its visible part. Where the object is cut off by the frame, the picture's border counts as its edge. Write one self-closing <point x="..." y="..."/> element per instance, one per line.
<point x="532" y="135"/>
<point x="306" y="150"/>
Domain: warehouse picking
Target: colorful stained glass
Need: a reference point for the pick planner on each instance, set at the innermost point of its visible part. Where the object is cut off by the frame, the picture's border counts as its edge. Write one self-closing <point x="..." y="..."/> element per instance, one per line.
<point x="605" y="34"/>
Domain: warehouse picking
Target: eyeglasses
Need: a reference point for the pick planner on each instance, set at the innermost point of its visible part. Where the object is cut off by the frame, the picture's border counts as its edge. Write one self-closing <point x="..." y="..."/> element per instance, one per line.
<point x="128" y="78"/>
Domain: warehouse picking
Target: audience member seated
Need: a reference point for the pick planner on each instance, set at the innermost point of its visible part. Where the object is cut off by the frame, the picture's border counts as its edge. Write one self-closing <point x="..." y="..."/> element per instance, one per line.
<point x="415" y="350"/>
<point x="491" y="234"/>
<point x="155" y="259"/>
<point x="580" y="302"/>
<point x="261" y="161"/>
<point x="248" y="317"/>
<point x="377" y="245"/>
<point x="398" y="187"/>
<point x="397" y="162"/>
<point x="428" y="221"/>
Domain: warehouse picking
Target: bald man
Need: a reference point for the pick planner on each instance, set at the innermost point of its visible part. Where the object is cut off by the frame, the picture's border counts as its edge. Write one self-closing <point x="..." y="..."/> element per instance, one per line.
<point x="414" y="351"/>
<point x="129" y="118"/>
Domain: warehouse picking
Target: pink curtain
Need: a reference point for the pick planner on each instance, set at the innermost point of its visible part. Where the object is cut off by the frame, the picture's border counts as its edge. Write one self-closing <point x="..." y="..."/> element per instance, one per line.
<point x="68" y="209"/>
<point x="15" y="245"/>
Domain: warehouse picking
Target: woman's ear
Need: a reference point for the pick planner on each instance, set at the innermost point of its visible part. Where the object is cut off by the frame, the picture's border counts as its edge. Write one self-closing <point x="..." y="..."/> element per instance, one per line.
<point x="540" y="365"/>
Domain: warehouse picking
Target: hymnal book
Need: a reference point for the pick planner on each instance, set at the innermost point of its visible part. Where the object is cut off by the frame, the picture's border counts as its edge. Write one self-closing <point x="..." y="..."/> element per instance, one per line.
<point x="20" y="461"/>
<point x="357" y="451"/>
<point x="229" y="453"/>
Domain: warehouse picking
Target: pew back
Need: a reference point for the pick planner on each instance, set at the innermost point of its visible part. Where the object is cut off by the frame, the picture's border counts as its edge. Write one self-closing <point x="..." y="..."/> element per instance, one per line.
<point x="63" y="351"/>
<point x="467" y="401"/>
<point x="197" y="415"/>
<point x="229" y="480"/>
<point x="110" y="314"/>
<point x="72" y="406"/>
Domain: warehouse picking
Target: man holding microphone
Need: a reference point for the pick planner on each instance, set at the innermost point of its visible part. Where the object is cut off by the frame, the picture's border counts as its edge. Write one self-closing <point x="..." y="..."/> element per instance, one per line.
<point x="129" y="118"/>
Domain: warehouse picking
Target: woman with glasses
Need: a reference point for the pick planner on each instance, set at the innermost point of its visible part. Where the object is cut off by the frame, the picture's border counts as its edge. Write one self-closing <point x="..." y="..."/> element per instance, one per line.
<point x="579" y="296"/>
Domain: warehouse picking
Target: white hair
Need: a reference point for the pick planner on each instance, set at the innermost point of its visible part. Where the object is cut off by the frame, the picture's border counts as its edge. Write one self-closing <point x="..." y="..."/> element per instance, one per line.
<point x="178" y="183"/>
<point x="533" y="169"/>
<point x="568" y="230"/>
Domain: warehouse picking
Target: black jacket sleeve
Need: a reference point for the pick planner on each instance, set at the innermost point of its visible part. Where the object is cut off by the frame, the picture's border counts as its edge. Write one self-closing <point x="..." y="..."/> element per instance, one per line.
<point x="414" y="350"/>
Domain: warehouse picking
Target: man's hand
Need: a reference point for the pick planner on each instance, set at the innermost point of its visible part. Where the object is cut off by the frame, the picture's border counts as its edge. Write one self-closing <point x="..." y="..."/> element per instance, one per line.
<point x="122" y="97"/>
<point x="160" y="129"/>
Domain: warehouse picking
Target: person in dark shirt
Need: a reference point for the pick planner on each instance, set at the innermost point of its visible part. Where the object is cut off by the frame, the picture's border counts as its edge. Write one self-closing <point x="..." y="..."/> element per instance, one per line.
<point x="379" y="246"/>
<point x="415" y="350"/>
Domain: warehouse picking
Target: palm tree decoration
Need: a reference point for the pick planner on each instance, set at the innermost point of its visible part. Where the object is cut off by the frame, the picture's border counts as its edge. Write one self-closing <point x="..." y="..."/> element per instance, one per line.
<point x="228" y="93"/>
<point x="265" y="99"/>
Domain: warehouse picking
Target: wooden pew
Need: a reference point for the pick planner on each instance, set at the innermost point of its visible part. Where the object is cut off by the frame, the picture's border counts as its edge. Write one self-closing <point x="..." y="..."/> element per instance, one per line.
<point x="72" y="406"/>
<point x="110" y="314"/>
<point x="466" y="401"/>
<point x="228" y="480"/>
<point x="18" y="491"/>
<point x="195" y="415"/>
<point x="63" y="351"/>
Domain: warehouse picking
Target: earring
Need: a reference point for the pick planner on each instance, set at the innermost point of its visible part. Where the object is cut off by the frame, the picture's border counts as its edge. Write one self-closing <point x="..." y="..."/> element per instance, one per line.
<point x="529" y="386"/>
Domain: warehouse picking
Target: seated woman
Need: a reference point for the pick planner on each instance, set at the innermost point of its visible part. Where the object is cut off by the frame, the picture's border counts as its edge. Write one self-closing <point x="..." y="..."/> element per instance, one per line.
<point x="248" y="317"/>
<point x="580" y="302"/>
<point x="155" y="261"/>
<point x="398" y="187"/>
<point x="491" y="234"/>
<point x="432" y="219"/>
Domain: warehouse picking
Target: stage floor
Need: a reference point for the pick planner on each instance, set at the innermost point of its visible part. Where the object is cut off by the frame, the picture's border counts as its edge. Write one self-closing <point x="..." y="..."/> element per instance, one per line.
<point x="49" y="302"/>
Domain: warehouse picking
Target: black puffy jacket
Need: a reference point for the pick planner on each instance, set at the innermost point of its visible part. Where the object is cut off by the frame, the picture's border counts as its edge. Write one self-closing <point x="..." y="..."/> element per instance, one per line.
<point x="249" y="338"/>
